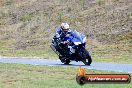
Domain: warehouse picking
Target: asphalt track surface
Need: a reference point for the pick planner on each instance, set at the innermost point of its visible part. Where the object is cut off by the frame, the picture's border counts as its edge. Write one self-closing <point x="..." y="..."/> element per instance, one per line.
<point x="46" y="62"/>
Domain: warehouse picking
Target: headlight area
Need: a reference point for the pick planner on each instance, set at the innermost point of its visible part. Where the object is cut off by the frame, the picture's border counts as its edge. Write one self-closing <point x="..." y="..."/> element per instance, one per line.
<point x="77" y="43"/>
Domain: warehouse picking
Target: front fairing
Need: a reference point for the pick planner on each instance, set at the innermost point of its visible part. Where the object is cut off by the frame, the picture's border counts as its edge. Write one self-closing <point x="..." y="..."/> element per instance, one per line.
<point x="77" y="42"/>
<point x="78" y="38"/>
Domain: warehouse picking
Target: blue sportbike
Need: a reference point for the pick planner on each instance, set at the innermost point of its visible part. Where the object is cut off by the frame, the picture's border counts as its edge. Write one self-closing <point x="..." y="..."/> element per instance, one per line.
<point x="73" y="50"/>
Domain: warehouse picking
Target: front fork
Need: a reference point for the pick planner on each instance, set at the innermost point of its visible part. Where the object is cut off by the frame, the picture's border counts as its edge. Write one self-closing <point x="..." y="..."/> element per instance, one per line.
<point x="81" y="52"/>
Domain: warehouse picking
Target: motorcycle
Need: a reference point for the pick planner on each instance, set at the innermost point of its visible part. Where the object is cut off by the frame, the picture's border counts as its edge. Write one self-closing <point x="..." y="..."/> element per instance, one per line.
<point x="73" y="50"/>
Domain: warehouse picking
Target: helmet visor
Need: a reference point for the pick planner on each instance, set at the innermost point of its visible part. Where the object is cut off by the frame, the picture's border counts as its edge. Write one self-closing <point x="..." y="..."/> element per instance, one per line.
<point x="66" y="29"/>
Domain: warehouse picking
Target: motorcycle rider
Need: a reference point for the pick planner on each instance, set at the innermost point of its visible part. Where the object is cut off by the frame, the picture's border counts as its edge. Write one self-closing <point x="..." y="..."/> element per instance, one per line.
<point x="62" y="34"/>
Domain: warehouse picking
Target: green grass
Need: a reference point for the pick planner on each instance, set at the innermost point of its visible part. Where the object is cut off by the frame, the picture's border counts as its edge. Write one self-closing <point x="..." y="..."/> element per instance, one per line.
<point x="7" y="50"/>
<point x="26" y="17"/>
<point x="29" y="53"/>
<point x="28" y="76"/>
<point x="115" y="53"/>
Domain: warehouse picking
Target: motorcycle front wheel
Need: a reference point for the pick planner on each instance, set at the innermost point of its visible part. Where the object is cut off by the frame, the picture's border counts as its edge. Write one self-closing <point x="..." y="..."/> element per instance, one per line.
<point x="87" y="60"/>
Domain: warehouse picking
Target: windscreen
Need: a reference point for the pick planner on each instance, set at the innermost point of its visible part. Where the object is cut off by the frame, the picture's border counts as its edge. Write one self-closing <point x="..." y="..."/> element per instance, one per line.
<point x="77" y="35"/>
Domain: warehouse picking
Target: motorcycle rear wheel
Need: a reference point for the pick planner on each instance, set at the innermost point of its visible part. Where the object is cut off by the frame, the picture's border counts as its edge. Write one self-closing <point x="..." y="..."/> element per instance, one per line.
<point x="64" y="60"/>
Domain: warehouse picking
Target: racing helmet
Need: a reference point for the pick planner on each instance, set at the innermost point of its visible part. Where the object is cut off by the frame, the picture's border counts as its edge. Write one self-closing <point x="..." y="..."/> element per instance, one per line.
<point x="65" y="27"/>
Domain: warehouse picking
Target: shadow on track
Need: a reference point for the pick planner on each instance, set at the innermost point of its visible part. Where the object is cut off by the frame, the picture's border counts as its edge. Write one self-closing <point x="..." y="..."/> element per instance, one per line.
<point x="70" y="65"/>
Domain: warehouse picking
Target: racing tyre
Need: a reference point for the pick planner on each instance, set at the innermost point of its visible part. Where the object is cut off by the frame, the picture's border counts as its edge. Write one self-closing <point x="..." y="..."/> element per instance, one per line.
<point x="64" y="60"/>
<point x="87" y="60"/>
